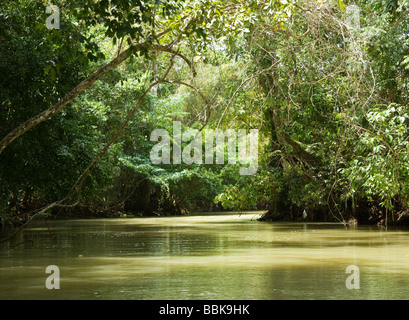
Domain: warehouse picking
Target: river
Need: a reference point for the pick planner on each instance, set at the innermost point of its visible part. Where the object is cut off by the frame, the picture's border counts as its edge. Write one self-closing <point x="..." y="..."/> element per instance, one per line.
<point x="202" y="256"/>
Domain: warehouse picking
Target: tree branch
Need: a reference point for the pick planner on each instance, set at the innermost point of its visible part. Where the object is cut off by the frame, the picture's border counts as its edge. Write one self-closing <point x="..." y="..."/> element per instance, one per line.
<point x="76" y="188"/>
<point x="56" y="108"/>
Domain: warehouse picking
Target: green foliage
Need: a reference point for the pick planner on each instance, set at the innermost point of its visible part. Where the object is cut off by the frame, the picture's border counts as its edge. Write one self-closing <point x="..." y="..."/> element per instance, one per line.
<point x="330" y="100"/>
<point x="249" y="192"/>
<point x="42" y="165"/>
<point x="379" y="169"/>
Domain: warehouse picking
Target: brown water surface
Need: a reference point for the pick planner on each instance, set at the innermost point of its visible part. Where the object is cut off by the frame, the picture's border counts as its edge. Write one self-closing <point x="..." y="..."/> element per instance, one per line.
<point x="218" y="256"/>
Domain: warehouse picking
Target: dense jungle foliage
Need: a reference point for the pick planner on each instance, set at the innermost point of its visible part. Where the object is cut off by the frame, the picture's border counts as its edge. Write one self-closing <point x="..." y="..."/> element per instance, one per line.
<point x="325" y="83"/>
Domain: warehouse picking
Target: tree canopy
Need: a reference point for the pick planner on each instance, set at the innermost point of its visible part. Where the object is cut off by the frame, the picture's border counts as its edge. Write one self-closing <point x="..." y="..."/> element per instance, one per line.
<point x="324" y="82"/>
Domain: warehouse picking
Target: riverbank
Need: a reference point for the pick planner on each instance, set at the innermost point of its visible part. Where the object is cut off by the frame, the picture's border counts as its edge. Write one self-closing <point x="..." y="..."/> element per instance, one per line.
<point x="364" y="214"/>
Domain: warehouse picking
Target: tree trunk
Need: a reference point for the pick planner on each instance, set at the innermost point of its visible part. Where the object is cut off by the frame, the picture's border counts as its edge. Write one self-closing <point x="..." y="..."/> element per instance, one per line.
<point x="298" y="154"/>
<point x="147" y="199"/>
<point x="51" y="112"/>
<point x="56" y="108"/>
<point x="155" y="76"/>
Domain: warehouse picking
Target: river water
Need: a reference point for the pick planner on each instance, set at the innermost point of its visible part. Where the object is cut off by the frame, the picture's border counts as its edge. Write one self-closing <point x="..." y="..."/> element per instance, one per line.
<point x="218" y="256"/>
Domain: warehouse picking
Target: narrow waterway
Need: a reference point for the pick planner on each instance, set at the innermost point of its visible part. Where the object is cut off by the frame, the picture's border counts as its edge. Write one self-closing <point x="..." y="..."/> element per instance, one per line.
<point x="218" y="256"/>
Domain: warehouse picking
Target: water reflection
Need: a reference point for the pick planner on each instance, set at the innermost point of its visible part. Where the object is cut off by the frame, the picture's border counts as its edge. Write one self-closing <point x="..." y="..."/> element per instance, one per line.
<point x="223" y="256"/>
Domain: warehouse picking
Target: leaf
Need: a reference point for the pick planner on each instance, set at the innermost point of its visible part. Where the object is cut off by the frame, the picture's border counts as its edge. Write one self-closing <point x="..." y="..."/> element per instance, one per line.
<point x="47" y="70"/>
<point x="341" y="5"/>
<point x="53" y="73"/>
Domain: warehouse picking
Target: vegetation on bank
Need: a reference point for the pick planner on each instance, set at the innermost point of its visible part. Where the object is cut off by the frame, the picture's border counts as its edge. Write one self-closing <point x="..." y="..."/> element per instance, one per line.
<point x="325" y="82"/>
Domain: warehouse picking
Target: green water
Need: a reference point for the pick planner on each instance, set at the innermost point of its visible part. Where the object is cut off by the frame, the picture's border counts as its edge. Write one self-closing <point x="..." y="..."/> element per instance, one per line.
<point x="223" y="256"/>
